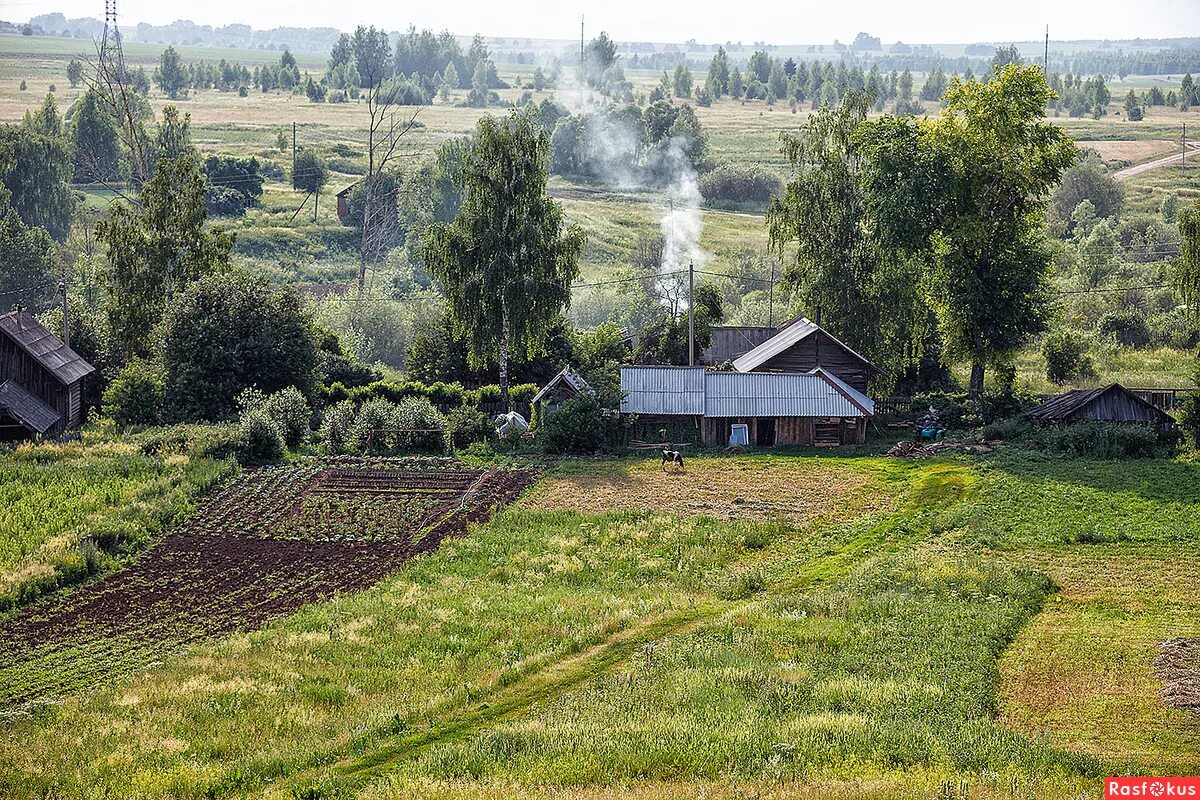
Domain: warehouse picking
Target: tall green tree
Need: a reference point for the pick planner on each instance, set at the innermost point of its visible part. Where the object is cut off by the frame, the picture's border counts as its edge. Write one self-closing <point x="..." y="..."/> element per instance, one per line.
<point x="864" y="294"/>
<point x="157" y="249"/>
<point x="36" y="168"/>
<point x="507" y="261"/>
<point x="966" y="193"/>
<point x="1187" y="265"/>
<point x="718" y="74"/>
<point x="94" y="134"/>
<point x="28" y="256"/>
<point x="170" y="76"/>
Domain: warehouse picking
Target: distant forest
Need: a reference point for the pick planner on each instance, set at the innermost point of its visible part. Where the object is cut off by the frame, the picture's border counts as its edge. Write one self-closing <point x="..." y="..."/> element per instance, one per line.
<point x="1109" y="58"/>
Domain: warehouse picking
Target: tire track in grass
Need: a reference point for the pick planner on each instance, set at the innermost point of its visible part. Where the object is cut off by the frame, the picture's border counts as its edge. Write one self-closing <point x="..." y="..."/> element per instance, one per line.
<point x="929" y="492"/>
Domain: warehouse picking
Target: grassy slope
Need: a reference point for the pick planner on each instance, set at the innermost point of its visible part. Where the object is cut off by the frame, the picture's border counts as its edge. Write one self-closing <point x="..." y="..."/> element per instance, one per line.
<point x="52" y="496"/>
<point x="856" y="653"/>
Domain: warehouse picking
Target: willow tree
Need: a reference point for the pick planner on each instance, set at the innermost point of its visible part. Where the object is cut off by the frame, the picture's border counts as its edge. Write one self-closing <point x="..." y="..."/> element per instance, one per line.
<point x="506" y="260"/>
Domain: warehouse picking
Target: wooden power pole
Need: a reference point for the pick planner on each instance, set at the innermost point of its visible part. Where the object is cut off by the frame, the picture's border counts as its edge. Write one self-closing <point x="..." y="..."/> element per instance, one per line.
<point x="691" y="315"/>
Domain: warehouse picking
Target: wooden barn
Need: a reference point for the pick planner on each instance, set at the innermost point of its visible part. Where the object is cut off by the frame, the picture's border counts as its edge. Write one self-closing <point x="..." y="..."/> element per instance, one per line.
<point x="801" y="346"/>
<point x="760" y="409"/>
<point x="1112" y="403"/>
<point x="40" y="379"/>
<point x="730" y="342"/>
<point x="566" y="385"/>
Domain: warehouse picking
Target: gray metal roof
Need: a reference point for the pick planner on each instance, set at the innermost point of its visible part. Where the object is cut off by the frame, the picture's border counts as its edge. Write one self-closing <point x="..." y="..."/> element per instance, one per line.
<point x="692" y="391"/>
<point x="27" y="409"/>
<point x="796" y="331"/>
<point x="46" y="348"/>
<point x="662" y="390"/>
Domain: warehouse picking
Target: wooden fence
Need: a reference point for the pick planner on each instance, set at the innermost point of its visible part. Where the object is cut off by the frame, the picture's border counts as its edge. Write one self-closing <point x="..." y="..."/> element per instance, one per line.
<point x="1166" y="398"/>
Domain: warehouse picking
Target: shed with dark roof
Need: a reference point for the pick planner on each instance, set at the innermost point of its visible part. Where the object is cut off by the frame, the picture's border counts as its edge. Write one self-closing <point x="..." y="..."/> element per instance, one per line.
<point x="1112" y="403"/>
<point x="40" y="378"/>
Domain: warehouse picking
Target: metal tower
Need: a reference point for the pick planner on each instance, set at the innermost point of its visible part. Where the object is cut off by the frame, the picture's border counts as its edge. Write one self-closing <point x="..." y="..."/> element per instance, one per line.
<point x="111" y="68"/>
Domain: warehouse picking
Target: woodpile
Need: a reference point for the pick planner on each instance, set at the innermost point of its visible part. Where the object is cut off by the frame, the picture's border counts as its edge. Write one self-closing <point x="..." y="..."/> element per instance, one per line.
<point x="910" y="449"/>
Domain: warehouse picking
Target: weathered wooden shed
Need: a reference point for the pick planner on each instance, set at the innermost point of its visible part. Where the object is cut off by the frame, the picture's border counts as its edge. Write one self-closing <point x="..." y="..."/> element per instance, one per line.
<point x="566" y="385"/>
<point x="802" y="346"/>
<point x="1112" y="403"/>
<point x="40" y="378"/>
<point x="778" y="409"/>
<point x="734" y="341"/>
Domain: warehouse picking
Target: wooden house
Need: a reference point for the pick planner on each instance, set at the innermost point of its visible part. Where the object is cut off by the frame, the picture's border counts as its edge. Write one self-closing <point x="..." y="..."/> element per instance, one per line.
<point x="801" y="346"/>
<point x="40" y="379"/>
<point x="734" y="341"/>
<point x="1112" y="403"/>
<point x="566" y="385"/>
<point x="343" y="203"/>
<point x="768" y="408"/>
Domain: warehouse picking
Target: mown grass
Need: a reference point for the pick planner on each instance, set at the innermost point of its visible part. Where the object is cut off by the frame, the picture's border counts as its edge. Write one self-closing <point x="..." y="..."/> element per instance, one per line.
<point x="72" y="510"/>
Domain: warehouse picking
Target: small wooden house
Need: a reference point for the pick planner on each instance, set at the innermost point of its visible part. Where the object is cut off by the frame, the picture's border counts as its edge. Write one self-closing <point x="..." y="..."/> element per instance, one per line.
<point x="771" y="409"/>
<point x="343" y="202"/>
<point x="1112" y="403"/>
<point x="40" y="379"/>
<point x="802" y="346"/>
<point x="566" y="385"/>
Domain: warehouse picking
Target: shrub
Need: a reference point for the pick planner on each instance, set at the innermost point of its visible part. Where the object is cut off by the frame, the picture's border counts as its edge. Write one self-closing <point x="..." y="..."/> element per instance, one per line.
<point x="953" y="408"/>
<point x="336" y="426"/>
<point x="291" y="414"/>
<point x="136" y="396"/>
<point x="1189" y="418"/>
<point x="260" y="441"/>
<point x="579" y="426"/>
<point x="1105" y="440"/>
<point x="367" y="433"/>
<point x="224" y="201"/>
<point x="466" y="426"/>
<point x="1065" y="356"/>
<point x="1010" y="429"/>
<point x="422" y="426"/>
<point x="1128" y="326"/>
<point x="732" y="184"/>
<point x="218" y="441"/>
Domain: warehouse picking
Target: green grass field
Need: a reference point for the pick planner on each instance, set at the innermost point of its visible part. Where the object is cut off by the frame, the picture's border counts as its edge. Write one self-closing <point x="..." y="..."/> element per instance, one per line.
<point x="914" y="630"/>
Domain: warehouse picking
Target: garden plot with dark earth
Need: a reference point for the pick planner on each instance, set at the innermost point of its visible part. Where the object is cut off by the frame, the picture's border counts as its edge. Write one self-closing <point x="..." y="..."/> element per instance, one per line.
<point x="259" y="548"/>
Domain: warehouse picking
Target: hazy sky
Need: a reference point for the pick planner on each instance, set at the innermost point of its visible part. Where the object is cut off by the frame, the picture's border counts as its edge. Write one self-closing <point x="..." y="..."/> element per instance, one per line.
<point x="949" y="21"/>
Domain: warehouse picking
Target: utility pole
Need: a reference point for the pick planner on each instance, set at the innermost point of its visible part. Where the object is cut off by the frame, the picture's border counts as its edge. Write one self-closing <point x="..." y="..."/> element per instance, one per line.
<point x="1046" y="57"/>
<point x="691" y="315"/>
<point x="771" y="298"/>
<point x="62" y="291"/>
<point x="581" y="74"/>
<point x="293" y="155"/>
<point x="1183" y="156"/>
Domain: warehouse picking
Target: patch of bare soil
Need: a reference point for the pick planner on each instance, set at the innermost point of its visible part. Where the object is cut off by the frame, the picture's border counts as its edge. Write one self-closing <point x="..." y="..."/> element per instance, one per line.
<point x="721" y="488"/>
<point x="1178" y="665"/>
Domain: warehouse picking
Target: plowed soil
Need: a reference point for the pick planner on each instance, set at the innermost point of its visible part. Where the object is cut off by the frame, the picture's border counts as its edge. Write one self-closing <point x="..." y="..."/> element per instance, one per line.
<point x="258" y="549"/>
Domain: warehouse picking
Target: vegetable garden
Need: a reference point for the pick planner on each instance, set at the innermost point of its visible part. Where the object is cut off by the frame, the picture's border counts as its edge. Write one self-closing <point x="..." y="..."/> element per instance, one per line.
<point x="260" y="547"/>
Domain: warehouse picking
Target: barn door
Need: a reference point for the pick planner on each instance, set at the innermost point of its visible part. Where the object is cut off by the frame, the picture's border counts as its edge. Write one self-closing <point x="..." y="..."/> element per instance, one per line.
<point x="765" y="435"/>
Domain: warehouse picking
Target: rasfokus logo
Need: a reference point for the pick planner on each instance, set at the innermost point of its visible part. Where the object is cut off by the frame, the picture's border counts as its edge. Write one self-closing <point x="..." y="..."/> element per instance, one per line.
<point x="1151" y="787"/>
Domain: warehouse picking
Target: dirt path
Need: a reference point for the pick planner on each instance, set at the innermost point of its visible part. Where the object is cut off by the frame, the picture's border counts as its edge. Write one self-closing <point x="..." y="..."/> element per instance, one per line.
<point x="258" y="549"/>
<point x="1166" y="161"/>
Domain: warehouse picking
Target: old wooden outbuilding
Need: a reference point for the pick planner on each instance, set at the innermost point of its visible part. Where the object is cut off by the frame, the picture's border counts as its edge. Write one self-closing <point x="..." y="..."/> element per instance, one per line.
<point x="40" y="379"/>
<point x="566" y="385"/>
<point x="1112" y="403"/>
<point x="775" y="408"/>
<point x="801" y="346"/>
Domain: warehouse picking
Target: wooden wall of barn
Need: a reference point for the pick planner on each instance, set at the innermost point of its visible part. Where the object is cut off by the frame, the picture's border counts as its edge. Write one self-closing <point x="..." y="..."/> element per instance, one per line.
<point x="1115" y="406"/>
<point x="789" y="431"/>
<point x="18" y="365"/>
<point x="818" y="350"/>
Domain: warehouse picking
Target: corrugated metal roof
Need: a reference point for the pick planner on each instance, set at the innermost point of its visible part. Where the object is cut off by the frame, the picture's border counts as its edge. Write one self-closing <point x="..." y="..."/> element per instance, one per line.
<point x="27" y="409"/>
<point x="692" y="391"/>
<point x="796" y="331"/>
<point x="774" y="394"/>
<point x="662" y="390"/>
<point x="866" y="403"/>
<point x="46" y="348"/>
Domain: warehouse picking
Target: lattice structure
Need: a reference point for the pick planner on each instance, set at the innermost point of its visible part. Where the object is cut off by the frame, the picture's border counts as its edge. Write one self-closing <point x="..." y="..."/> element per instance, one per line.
<point x="112" y="58"/>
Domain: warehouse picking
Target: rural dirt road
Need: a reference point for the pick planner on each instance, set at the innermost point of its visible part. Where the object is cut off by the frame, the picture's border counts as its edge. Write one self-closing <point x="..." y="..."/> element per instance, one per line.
<point x="1166" y="161"/>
